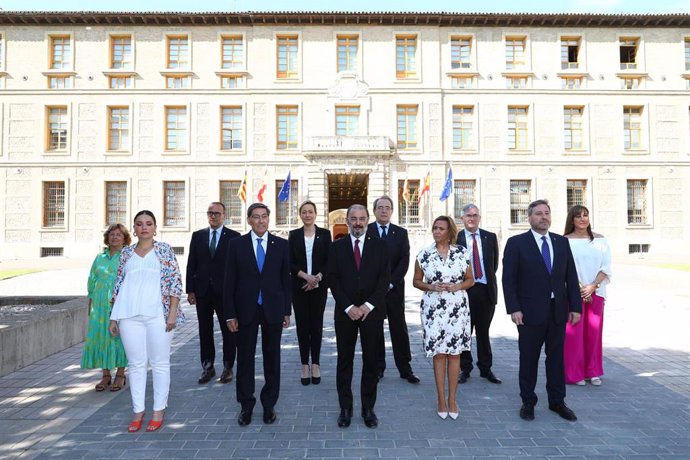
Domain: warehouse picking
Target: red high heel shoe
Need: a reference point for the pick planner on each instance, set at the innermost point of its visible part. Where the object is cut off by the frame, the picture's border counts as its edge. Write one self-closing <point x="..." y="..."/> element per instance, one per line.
<point x="154" y="425"/>
<point x="135" y="425"/>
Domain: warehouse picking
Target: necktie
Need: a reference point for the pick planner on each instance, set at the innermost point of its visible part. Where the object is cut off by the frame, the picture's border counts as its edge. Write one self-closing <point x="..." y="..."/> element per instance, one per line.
<point x="260" y="258"/>
<point x="358" y="254"/>
<point x="214" y="242"/>
<point x="476" y="264"/>
<point x="546" y="255"/>
<point x="383" y="231"/>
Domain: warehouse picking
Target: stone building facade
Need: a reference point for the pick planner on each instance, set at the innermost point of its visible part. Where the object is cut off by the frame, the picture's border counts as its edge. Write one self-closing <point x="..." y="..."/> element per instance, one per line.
<point x="104" y="114"/>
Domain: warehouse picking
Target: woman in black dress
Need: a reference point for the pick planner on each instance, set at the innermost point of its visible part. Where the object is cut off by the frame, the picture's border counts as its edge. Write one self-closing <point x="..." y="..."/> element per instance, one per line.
<point x="309" y="246"/>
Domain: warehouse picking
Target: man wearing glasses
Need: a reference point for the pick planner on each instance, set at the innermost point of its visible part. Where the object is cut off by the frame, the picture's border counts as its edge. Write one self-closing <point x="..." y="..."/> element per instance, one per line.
<point x="205" y="273"/>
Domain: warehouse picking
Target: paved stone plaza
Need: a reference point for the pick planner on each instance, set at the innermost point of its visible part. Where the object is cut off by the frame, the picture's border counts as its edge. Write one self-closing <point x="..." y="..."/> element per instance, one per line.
<point x="49" y="409"/>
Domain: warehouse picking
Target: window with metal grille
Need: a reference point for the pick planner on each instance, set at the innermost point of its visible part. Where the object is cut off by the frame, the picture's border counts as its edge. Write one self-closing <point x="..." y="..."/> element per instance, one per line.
<point x="517" y="128"/>
<point x="347" y="120"/>
<point x="231" y="128"/>
<point x="177" y="52"/>
<point x="464" y="193"/>
<point x="58" y="123"/>
<point x="462" y="127"/>
<point x="54" y="204"/>
<point x="287" y="211"/>
<point x="233" y="204"/>
<point x="628" y="52"/>
<point x="348" y="47"/>
<point x="637" y="248"/>
<point x="405" y="56"/>
<point x="287" y="57"/>
<point x="570" y="50"/>
<point x="407" y="126"/>
<point x="520" y="197"/>
<point x="632" y="127"/>
<point x="115" y="202"/>
<point x="174" y="203"/>
<point x="118" y="128"/>
<point x="637" y="202"/>
<point x="572" y="127"/>
<point x="52" y="252"/>
<point x="286" y="120"/>
<point x="408" y="202"/>
<point x="178" y="250"/>
<point x="576" y="193"/>
<point x="460" y="50"/>
<point x="232" y="54"/>
<point x="121" y="52"/>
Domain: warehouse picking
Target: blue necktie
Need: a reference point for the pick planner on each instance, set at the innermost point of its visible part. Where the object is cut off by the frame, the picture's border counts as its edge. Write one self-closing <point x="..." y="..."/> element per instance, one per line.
<point x="260" y="258"/>
<point x="212" y="246"/>
<point x="383" y="232"/>
<point x="545" y="253"/>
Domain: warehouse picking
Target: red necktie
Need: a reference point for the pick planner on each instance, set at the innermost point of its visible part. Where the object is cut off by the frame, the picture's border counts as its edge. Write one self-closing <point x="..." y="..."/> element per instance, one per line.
<point x="358" y="255"/>
<point x="476" y="264"/>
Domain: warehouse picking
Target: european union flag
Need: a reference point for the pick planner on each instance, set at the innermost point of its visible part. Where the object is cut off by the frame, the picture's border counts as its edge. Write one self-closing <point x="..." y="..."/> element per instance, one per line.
<point x="285" y="189"/>
<point x="448" y="186"/>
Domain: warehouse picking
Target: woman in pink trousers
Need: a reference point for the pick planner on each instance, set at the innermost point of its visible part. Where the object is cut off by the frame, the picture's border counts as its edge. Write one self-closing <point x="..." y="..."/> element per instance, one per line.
<point x="583" y="354"/>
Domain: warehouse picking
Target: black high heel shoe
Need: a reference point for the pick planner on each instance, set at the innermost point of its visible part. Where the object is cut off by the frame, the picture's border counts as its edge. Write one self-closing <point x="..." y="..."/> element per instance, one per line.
<point x="305" y="380"/>
<point x="315" y="380"/>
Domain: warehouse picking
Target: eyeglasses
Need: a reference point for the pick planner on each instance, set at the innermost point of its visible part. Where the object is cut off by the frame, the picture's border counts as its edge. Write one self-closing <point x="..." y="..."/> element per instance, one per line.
<point x="214" y="214"/>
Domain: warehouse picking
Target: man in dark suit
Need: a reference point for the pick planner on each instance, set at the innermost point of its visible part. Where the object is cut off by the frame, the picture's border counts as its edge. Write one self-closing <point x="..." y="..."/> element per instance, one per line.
<point x="542" y="293"/>
<point x="359" y="277"/>
<point x="399" y="257"/>
<point x="483" y="247"/>
<point x="258" y="292"/>
<point x="205" y="272"/>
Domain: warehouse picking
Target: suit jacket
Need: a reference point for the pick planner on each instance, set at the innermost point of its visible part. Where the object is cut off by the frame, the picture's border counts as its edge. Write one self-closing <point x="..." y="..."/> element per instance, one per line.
<point x="352" y="287"/>
<point x="298" y="257"/>
<point x="205" y="273"/>
<point x="527" y="284"/>
<point x="243" y="281"/>
<point x="398" y="252"/>
<point x="489" y="257"/>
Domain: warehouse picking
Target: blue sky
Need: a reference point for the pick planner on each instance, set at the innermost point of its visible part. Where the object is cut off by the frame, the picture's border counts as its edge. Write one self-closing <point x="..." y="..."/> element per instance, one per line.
<point x="467" y="6"/>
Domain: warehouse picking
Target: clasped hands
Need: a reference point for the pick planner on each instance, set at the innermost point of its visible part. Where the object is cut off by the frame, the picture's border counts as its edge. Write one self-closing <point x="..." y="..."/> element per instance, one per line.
<point x="586" y="292"/>
<point x="443" y="287"/>
<point x="312" y="282"/>
<point x="357" y="313"/>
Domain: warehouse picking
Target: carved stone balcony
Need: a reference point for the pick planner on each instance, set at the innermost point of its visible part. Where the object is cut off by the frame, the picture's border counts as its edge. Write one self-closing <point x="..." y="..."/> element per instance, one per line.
<point x="349" y="145"/>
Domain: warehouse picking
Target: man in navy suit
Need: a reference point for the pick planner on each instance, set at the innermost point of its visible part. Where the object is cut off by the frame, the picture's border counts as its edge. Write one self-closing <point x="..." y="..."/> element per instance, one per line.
<point x="542" y="293"/>
<point x="399" y="257"/>
<point x="205" y="273"/>
<point x="483" y="247"/>
<point x="358" y="278"/>
<point x="258" y="292"/>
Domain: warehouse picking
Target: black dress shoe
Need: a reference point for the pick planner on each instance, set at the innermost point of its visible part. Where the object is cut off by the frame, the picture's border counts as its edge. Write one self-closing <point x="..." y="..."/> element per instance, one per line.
<point x="207" y="375"/>
<point x="344" y="418"/>
<point x="490" y="377"/>
<point x="463" y="377"/>
<point x="269" y="416"/>
<point x="245" y="417"/>
<point x="370" y="419"/>
<point x="410" y="378"/>
<point x="527" y="411"/>
<point x="226" y="376"/>
<point x="563" y="410"/>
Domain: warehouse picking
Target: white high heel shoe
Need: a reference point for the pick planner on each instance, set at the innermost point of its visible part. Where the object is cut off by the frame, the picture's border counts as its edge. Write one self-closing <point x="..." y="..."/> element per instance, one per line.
<point x="444" y="415"/>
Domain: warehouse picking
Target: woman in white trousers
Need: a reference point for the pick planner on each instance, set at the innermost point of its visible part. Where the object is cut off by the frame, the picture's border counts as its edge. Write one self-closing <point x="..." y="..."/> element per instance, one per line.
<point x="145" y="312"/>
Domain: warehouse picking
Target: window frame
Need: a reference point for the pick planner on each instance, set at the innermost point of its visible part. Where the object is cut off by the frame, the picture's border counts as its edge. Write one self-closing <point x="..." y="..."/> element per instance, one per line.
<point x="288" y="144"/>
<point x="582" y="131"/>
<point x="686" y="52"/>
<point x="571" y="187"/>
<point x="356" y="61"/>
<point x="66" y="77"/>
<point x="186" y="145"/>
<point x="471" y="55"/>
<point x="242" y="128"/>
<point x="529" y="198"/>
<point x="112" y="37"/>
<point x="234" y="213"/>
<point x="514" y="64"/>
<point x="413" y="218"/>
<point x="51" y="37"/>
<point x="126" y="210"/>
<point x="642" y="130"/>
<point x="647" y="196"/>
<point x="47" y="142"/>
<point x="185" y="205"/>
<point x="638" y="61"/>
<point x="471" y="144"/>
<point x="168" y="39"/>
<point x="347" y="119"/>
<point x="288" y="75"/>
<point x="517" y="147"/>
<point x="3" y="53"/>
<point x="242" y="67"/>
<point x="406" y="144"/>
<point x="406" y="75"/>
<point x="45" y="224"/>
<point x="126" y="147"/>
<point x="283" y="219"/>
<point x="567" y="64"/>
<point x="458" y="192"/>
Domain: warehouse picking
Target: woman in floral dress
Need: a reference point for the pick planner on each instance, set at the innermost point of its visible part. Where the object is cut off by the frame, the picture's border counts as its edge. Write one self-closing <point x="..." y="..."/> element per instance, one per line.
<point x="101" y="350"/>
<point x="443" y="271"/>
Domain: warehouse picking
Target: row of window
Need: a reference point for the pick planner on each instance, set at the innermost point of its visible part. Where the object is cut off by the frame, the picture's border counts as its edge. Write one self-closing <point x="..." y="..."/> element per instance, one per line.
<point x="286" y="213"/>
<point x="347" y="123"/>
<point x="232" y="59"/>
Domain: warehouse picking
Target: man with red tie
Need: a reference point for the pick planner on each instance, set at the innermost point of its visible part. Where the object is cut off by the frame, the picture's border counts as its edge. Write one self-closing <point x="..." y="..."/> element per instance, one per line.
<point x="483" y="246"/>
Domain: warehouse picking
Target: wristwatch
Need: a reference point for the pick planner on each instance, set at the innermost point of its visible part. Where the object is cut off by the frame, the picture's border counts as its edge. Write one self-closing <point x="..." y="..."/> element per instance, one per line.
<point x="598" y="285"/>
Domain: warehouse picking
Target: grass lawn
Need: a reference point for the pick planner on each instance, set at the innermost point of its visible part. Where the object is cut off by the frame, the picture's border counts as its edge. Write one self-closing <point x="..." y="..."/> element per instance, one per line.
<point x="4" y="274"/>
<point x="681" y="267"/>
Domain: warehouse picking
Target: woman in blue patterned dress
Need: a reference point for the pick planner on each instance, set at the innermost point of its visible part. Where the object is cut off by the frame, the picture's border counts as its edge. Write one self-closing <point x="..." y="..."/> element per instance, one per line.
<point x="443" y="271"/>
<point x="145" y="313"/>
<point x="101" y="350"/>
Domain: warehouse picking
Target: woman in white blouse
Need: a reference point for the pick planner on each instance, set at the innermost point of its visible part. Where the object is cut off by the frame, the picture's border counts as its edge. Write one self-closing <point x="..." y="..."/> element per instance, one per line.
<point x="145" y="312"/>
<point x="583" y="356"/>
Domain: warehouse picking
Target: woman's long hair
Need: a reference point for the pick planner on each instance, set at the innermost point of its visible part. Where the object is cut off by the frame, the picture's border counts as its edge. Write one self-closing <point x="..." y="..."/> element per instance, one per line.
<point x="574" y="212"/>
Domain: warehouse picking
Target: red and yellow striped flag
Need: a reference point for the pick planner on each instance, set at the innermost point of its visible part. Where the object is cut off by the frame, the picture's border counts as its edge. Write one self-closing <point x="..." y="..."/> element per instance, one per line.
<point x="426" y="187"/>
<point x="242" y="192"/>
